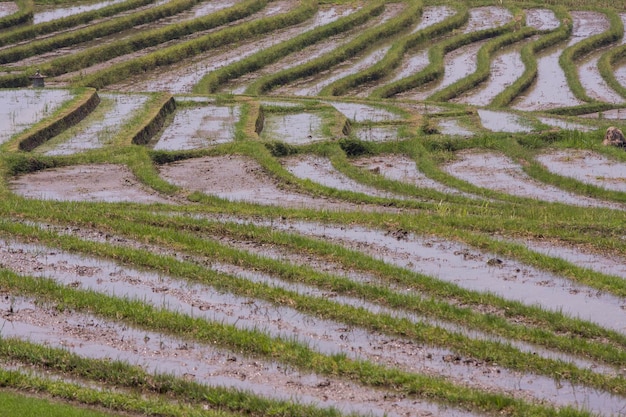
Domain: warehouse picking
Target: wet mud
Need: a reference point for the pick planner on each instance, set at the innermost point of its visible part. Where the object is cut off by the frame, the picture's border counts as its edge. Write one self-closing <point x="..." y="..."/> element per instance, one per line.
<point x="101" y="183"/>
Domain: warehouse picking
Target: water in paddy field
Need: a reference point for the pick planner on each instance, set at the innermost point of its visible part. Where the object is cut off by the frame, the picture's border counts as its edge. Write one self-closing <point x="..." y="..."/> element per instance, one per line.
<point x="199" y="127"/>
<point x="49" y="14"/>
<point x="294" y="129"/>
<point x="20" y="109"/>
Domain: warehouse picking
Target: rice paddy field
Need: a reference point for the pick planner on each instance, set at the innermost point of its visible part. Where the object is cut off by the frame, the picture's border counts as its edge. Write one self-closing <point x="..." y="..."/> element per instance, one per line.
<point x="312" y="208"/>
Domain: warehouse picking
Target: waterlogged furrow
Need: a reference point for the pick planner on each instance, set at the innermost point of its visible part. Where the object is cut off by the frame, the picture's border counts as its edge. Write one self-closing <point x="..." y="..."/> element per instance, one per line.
<point x="323" y="17"/>
<point x="95" y="338"/>
<point x="326" y="336"/>
<point x="499" y="173"/>
<point x="102" y="182"/>
<point x="198" y="11"/>
<point x="310" y="260"/>
<point x="457" y="263"/>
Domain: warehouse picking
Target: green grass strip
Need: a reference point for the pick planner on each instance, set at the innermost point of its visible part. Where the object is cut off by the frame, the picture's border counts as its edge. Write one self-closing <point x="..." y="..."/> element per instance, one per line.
<point x="394" y="57"/>
<point x="213" y="80"/>
<point x="256" y="343"/>
<point x="365" y="41"/>
<point x="435" y="69"/>
<point x="32" y="31"/>
<point x="185" y="50"/>
<point x="327" y="309"/>
<point x="99" y="30"/>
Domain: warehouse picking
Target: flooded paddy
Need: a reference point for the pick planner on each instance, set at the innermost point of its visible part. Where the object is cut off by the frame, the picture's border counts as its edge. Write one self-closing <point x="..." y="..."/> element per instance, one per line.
<point x="295" y="129"/>
<point x="8" y="8"/>
<point x="103" y="183"/>
<point x="458" y="64"/>
<point x="499" y="121"/>
<point x="376" y="133"/>
<point x="499" y="173"/>
<point x="199" y="127"/>
<point x="360" y="113"/>
<point x="20" y="109"/>
<point x="52" y="13"/>
<point x="453" y="127"/>
<point x="588" y="167"/>
<point x="506" y="67"/>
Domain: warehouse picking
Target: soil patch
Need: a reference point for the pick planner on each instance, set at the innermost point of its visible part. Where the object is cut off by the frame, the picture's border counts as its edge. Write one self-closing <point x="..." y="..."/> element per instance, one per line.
<point x="103" y="183"/>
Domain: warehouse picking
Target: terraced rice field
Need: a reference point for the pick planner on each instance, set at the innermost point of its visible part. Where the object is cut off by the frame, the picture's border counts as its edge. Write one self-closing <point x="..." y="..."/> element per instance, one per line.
<point x="312" y="208"/>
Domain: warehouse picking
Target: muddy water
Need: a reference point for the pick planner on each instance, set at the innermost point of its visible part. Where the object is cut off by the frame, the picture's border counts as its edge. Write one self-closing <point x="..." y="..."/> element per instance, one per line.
<point x="363" y="113"/>
<point x="499" y="173"/>
<point x="295" y="129"/>
<point x="8" y="8"/>
<point x="321" y="171"/>
<point x="376" y="133"/>
<point x="453" y="127"/>
<point x="471" y="269"/>
<point x="615" y="114"/>
<point x="95" y="338"/>
<point x="488" y="17"/>
<point x="588" y="167"/>
<point x="551" y="89"/>
<point x="431" y="15"/>
<point x="49" y="14"/>
<point x="565" y="124"/>
<point x="19" y="109"/>
<point x="196" y="128"/>
<point x="499" y="121"/>
<point x="541" y="19"/>
<point x="105" y="182"/>
<point x="321" y="264"/>
<point x="326" y="336"/>
<point x="95" y="134"/>
<point x="506" y="67"/>
<point x="242" y="179"/>
<point x="401" y="168"/>
<point x="458" y="64"/>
